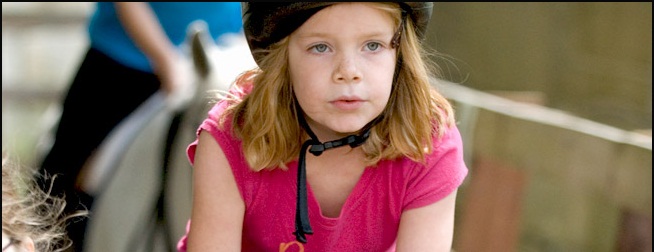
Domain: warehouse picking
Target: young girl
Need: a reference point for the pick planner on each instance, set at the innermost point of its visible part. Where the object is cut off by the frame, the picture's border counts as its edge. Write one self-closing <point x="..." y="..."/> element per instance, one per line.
<point x="32" y="219"/>
<point x="348" y="83"/>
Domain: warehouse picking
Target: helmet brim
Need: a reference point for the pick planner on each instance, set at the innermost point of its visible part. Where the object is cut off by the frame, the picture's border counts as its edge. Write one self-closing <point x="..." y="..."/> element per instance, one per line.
<point x="266" y="23"/>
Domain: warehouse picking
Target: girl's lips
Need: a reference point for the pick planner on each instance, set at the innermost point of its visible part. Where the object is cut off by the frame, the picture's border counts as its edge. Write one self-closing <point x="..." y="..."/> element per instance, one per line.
<point x="348" y="103"/>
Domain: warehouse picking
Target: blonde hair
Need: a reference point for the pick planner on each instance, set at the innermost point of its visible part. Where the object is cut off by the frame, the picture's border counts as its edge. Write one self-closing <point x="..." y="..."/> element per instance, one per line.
<point x="266" y="122"/>
<point x="29" y="212"/>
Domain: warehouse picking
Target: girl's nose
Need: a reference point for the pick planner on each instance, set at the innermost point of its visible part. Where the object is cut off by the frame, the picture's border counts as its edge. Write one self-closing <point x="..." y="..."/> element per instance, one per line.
<point x="347" y="70"/>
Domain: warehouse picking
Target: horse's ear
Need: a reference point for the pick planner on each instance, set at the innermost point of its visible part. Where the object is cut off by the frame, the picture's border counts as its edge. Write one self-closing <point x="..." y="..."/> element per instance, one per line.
<point x="198" y="35"/>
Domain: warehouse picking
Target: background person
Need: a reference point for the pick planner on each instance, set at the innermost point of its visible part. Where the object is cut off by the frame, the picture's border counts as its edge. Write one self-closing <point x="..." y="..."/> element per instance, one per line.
<point x="134" y="52"/>
<point x="32" y="219"/>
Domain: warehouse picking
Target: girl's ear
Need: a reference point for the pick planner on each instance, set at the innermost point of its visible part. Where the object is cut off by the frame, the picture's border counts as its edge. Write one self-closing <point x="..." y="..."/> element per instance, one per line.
<point x="27" y="244"/>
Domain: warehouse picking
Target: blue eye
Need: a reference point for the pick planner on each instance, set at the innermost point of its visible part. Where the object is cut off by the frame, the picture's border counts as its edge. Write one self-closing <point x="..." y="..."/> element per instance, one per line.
<point x="320" y="48"/>
<point x="372" y="46"/>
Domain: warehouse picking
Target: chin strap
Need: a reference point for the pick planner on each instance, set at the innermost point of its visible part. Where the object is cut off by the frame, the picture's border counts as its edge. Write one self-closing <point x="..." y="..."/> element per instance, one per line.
<point x="302" y="225"/>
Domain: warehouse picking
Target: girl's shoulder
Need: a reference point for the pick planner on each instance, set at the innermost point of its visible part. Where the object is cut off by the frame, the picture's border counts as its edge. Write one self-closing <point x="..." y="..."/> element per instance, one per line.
<point x="444" y="162"/>
<point x="442" y="172"/>
<point x="219" y="111"/>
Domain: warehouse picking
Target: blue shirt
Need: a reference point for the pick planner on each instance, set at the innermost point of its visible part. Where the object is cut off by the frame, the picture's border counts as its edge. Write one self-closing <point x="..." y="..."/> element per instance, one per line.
<point x="107" y="34"/>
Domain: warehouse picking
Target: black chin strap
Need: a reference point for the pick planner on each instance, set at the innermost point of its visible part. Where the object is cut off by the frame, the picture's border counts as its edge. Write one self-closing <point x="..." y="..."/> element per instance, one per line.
<point x="302" y="225"/>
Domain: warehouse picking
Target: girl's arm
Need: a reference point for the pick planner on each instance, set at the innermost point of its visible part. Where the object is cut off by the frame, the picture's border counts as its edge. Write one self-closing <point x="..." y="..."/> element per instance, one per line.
<point x="218" y="209"/>
<point x="428" y="228"/>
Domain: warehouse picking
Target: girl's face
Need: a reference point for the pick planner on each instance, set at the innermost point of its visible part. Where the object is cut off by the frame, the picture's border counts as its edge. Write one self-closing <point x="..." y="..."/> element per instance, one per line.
<point x="341" y="67"/>
<point x="10" y="245"/>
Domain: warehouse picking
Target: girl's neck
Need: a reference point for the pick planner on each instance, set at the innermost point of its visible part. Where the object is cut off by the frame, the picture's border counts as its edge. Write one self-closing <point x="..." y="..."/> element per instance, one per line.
<point x="325" y="134"/>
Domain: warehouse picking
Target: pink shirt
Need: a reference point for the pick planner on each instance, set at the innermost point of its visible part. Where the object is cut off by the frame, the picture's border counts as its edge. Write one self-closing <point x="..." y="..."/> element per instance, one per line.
<point x="370" y="217"/>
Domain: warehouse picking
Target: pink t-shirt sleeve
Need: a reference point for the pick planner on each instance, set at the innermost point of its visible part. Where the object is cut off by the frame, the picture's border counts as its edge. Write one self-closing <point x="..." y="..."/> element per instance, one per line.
<point x="229" y="145"/>
<point x="227" y="142"/>
<point x="444" y="172"/>
<point x="210" y="124"/>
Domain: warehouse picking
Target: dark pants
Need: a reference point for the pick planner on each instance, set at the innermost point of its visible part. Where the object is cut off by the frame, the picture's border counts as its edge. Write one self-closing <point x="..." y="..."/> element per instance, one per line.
<point x="102" y="94"/>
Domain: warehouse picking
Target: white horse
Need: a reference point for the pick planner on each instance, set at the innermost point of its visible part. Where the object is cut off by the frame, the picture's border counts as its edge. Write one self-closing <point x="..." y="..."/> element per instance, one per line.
<point x="140" y="174"/>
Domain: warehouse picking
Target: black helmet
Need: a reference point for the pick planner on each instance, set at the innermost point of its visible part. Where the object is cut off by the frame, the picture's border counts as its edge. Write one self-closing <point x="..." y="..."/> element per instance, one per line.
<point x="265" y="23"/>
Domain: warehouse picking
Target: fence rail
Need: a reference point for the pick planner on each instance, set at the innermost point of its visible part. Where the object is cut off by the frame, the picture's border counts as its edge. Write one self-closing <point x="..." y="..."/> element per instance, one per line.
<point x="544" y="180"/>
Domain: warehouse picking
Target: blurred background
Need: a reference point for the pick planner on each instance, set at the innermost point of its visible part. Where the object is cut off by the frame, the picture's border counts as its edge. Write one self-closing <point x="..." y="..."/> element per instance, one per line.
<point x="593" y="60"/>
<point x="554" y="102"/>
